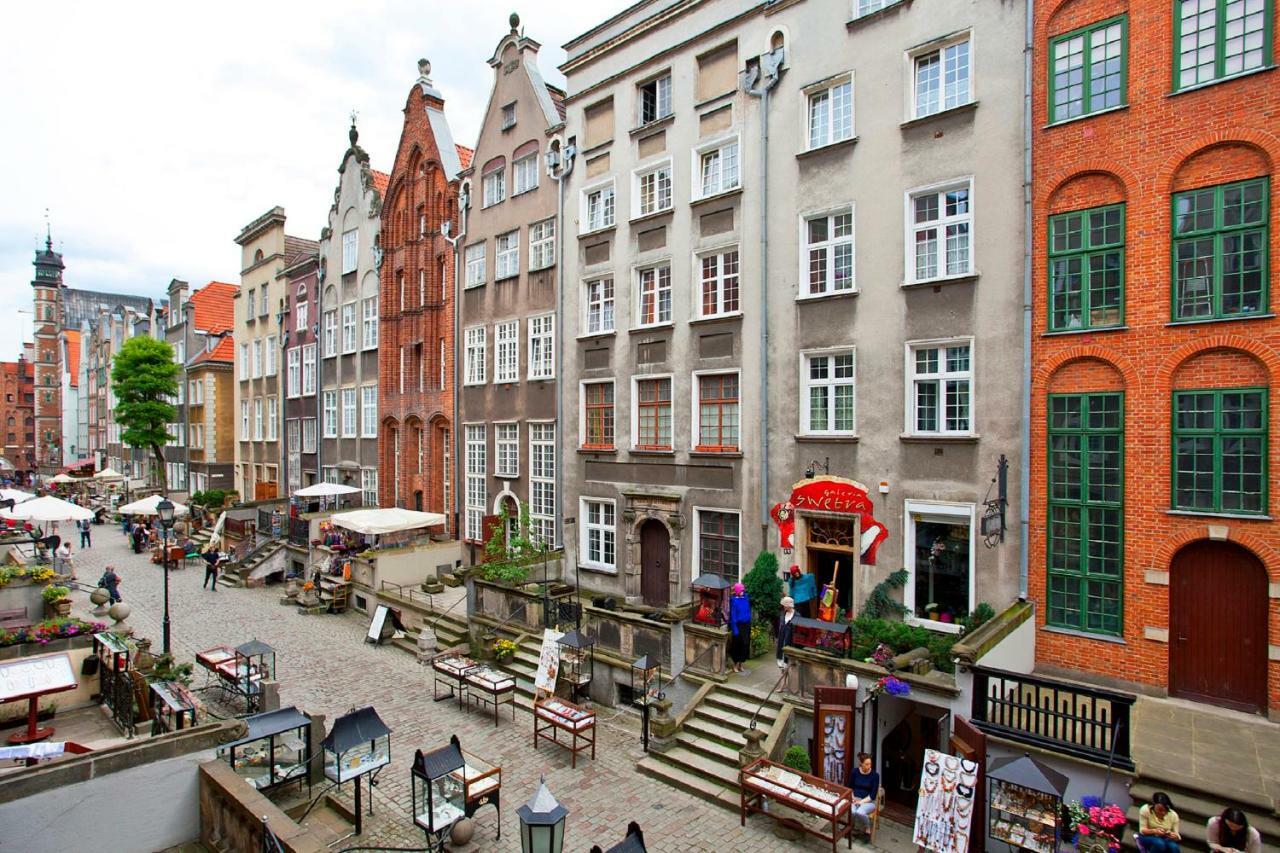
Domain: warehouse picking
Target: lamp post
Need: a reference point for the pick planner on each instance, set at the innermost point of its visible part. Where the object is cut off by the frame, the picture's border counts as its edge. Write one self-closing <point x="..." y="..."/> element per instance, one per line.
<point x="165" y="510"/>
<point x="542" y="823"/>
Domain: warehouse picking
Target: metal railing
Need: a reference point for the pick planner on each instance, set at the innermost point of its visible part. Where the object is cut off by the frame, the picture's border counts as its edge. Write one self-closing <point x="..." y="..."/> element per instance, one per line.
<point x="782" y="678"/>
<point x="409" y="593"/>
<point x="299" y="532"/>
<point x="116" y="690"/>
<point x="1074" y="719"/>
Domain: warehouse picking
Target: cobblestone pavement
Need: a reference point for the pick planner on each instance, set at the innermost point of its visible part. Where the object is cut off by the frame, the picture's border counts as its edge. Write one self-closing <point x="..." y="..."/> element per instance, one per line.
<point x="324" y="666"/>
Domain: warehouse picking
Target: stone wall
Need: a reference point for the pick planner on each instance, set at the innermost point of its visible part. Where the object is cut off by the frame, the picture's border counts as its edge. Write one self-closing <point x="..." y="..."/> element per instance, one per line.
<point x="232" y="815"/>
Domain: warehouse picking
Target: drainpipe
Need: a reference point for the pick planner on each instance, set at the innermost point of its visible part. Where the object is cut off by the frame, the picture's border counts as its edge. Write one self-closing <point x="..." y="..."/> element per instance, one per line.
<point x="464" y="203"/>
<point x="1024" y="431"/>
<point x="770" y="66"/>
<point x="559" y="167"/>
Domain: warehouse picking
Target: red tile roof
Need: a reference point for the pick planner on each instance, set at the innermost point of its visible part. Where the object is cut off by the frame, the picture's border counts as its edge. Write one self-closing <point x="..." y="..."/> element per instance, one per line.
<point x="465" y="154"/>
<point x="214" y="310"/>
<point x="380" y="181"/>
<point x="557" y="99"/>
<point x="73" y="355"/>
<point x="225" y="352"/>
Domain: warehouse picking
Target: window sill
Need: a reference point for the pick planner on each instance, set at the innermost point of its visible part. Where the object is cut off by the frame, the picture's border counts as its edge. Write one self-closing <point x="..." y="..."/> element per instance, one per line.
<point x="656" y="327"/>
<point x="1084" y="635"/>
<point x="932" y="624"/>
<point x="715" y="454"/>
<point x="506" y="382"/>
<point x="650" y="217"/>
<point x="596" y="335"/>
<point x="946" y="279"/>
<point x="1117" y="108"/>
<point x="493" y="204"/>
<point x="1206" y="84"/>
<point x="916" y="122"/>
<point x="656" y="124"/>
<point x="604" y="570"/>
<point x="541" y="379"/>
<point x="549" y="266"/>
<point x="819" y="297"/>
<point x="1199" y="322"/>
<point x="1241" y="516"/>
<point x="911" y="438"/>
<point x="599" y="232"/>
<point x="640" y="451"/>
<point x="588" y="451"/>
<point x="500" y="279"/>
<point x="475" y="286"/>
<point x="830" y="146"/>
<point x="519" y="193"/>
<point x="1065" y="332"/>
<point x="712" y="199"/>
<point x="718" y="318"/>
<point x="464" y="385"/>
<point x="882" y="12"/>
<point x="826" y="439"/>
<point x="598" y="148"/>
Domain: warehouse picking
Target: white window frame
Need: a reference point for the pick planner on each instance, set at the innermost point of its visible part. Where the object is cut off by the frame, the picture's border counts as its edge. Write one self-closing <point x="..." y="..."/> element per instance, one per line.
<point x="293" y="372"/>
<point x="474" y="356"/>
<point x="830" y="383"/>
<point x="273" y="414"/>
<point x="506" y="255"/>
<point x="718" y="253"/>
<point x="369" y="486"/>
<point x="350" y="413"/>
<point x="827" y="91"/>
<point x="506" y="352"/>
<point x="308" y="435"/>
<point x="269" y="356"/>
<point x="350" y="250"/>
<point x="524" y="174"/>
<point x="255" y="352"/>
<point x="244" y="361"/>
<point x="635" y="412"/>
<point x="919" y="110"/>
<point x="507" y="468"/>
<point x="330" y="323"/>
<point x="474" y="256"/>
<point x="369" y="322"/>
<point x="308" y="370"/>
<point x="329" y="399"/>
<point x="475" y="488"/>
<point x="940" y="225"/>
<point x="941" y="377"/>
<point x="862" y="8"/>
<point x="542" y="244"/>
<point x="828" y="247"/>
<point x="542" y="478"/>
<point x="662" y="107"/>
<point x="244" y="420"/>
<point x="697" y="536"/>
<point x="605" y="309"/>
<point x="257" y="419"/>
<point x="301" y="311"/>
<point x="608" y="206"/>
<point x="494" y="186"/>
<point x="913" y="510"/>
<point x="542" y="359"/>
<point x="654" y="273"/>
<point x="369" y="411"/>
<point x="699" y="186"/>
<point x="587" y="528"/>
<point x="656" y="171"/>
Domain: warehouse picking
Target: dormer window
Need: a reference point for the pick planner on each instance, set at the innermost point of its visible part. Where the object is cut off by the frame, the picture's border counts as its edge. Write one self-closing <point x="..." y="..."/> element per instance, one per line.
<point x="509" y="116"/>
<point x="655" y="99"/>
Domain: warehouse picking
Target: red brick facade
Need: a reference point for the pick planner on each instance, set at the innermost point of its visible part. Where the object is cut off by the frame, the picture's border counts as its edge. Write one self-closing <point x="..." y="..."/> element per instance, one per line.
<point x="416" y="444"/>
<point x="17" y="414"/>
<point x="1163" y="142"/>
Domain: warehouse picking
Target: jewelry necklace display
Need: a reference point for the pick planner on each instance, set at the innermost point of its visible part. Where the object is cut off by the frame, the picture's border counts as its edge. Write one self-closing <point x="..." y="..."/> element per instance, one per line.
<point x="948" y="787"/>
<point x="968" y="765"/>
<point x="951" y="762"/>
<point x="931" y="768"/>
<point x="964" y="805"/>
<point x="928" y="787"/>
<point x="969" y="778"/>
<point x="966" y="791"/>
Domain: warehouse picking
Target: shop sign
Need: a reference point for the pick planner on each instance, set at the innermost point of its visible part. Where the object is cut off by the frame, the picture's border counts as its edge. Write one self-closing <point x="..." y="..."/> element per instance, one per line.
<point x="835" y="495"/>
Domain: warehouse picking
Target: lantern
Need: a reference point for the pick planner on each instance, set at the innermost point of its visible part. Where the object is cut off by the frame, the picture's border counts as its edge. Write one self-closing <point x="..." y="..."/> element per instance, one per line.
<point x="645" y="687"/>
<point x="274" y="751"/>
<point x="439" y="796"/>
<point x="577" y="662"/>
<point x="358" y="743"/>
<point x="542" y="823"/>
<point x="713" y="599"/>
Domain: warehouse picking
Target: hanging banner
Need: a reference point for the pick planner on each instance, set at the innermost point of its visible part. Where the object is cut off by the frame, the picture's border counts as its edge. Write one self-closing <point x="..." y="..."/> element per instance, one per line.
<point x="944" y="811"/>
<point x="832" y="495"/>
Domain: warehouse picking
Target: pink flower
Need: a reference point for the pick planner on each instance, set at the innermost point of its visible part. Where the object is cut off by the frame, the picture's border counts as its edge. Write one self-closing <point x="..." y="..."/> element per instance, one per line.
<point x="1082" y="829"/>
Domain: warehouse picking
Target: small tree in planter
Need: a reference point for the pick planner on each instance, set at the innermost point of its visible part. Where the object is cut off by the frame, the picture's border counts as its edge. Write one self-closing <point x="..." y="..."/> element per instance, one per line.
<point x="764" y="588"/>
<point x="797" y="758"/>
<point x="509" y="558"/>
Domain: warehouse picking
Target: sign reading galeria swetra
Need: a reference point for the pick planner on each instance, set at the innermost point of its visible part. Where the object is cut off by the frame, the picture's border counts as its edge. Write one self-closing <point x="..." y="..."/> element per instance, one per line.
<point x="831" y="495"/>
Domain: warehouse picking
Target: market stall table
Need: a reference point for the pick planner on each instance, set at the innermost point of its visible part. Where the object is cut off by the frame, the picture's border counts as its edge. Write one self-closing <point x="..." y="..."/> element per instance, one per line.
<point x="210" y="659"/>
<point x="275" y="750"/>
<point x="557" y="715"/>
<point x="491" y="688"/>
<point x="764" y="780"/>
<point x="450" y="669"/>
<point x="173" y="707"/>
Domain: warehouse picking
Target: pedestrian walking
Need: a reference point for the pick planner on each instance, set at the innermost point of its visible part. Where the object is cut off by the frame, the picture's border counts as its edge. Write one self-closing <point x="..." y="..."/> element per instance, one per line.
<point x="139" y="538"/>
<point x="86" y="532"/>
<point x="1158" y="826"/>
<point x="211" y="561"/>
<point x="110" y="581"/>
<point x="62" y="559"/>
<point x="740" y="626"/>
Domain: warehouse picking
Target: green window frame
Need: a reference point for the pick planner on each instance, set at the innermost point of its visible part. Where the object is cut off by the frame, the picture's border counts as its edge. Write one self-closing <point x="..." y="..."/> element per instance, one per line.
<point x="1086" y="269"/>
<point x="1085" y="524"/>
<point x="1089" y="69"/>
<point x="1218" y="39"/>
<point x="1219" y="243"/>
<point x="1220" y="450"/>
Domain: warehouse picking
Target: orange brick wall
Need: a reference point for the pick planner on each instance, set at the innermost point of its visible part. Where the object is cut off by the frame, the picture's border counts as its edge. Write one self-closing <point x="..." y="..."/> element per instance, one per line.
<point x="1159" y="144"/>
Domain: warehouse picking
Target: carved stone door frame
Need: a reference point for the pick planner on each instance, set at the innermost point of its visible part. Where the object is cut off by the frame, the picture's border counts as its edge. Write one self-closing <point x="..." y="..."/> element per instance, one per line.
<point x="638" y="508"/>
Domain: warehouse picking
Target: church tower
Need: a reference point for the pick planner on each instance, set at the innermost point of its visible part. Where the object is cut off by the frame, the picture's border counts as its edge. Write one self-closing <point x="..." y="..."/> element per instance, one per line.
<point x="48" y="368"/>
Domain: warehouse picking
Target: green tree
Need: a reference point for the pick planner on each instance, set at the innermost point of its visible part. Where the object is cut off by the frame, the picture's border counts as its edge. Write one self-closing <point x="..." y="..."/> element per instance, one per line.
<point x="144" y="378"/>
<point x="508" y="559"/>
<point x="764" y="588"/>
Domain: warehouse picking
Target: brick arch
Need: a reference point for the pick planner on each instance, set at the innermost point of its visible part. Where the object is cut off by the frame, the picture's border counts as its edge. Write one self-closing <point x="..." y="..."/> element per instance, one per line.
<point x="1263" y="353"/>
<point x="1170" y="545"/>
<point x="1086" y="374"/>
<point x="1051" y="365"/>
<point x="1220" y="367"/>
<point x="1086" y="189"/>
<point x="1128" y="180"/>
<point x="1221" y="163"/>
<point x="1266" y="144"/>
<point x="1060" y="15"/>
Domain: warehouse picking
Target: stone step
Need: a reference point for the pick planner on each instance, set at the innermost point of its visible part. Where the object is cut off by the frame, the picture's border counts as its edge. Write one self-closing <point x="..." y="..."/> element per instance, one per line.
<point x="698" y="764"/>
<point x="751" y="695"/>
<point x="739" y="704"/>
<point x="1196" y="807"/>
<point x="713" y="749"/>
<point x="728" y="719"/>
<point x="705" y="728"/>
<point x="692" y="783"/>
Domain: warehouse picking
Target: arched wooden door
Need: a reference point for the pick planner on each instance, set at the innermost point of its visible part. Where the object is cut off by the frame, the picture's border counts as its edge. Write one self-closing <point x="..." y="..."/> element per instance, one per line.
<point x="1218" y="626"/>
<point x="655" y="563"/>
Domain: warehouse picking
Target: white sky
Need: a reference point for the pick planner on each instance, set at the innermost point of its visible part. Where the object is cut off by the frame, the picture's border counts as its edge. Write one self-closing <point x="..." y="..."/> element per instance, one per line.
<point x="154" y="131"/>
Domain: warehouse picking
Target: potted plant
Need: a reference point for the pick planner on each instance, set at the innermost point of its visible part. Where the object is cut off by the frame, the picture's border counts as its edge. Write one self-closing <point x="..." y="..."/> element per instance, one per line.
<point x="56" y="600"/>
<point x="1098" y="826"/>
<point x="504" y="651"/>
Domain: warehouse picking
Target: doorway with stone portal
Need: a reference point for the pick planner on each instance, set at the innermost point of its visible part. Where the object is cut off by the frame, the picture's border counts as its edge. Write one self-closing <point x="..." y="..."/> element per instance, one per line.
<point x="655" y="563"/>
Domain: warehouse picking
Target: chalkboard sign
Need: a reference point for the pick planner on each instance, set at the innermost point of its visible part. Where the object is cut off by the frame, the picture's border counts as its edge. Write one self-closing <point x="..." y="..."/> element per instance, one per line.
<point x="21" y="679"/>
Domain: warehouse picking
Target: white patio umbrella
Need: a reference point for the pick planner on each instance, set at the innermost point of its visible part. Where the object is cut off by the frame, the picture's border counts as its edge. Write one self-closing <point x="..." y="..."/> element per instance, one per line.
<point x="323" y="490"/>
<point x="147" y="506"/>
<point x="15" y="495"/>
<point x="65" y="478"/>
<point x="47" y="508"/>
<point x="108" y="474"/>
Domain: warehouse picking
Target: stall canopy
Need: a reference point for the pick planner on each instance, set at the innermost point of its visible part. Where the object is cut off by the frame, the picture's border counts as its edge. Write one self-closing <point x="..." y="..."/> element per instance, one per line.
<point x="271" y="723"/>
<point x="67" y="478"/>
<point x="389" y="520"/>
<point x="15" y="495"/>
<point x="324" y="490"/>
<point x="1026" y="772"/>
<point x="108" y="474"/>
<point x="147" y="506"/>
<point x="47" y="508"/>
<point x="360" y="726"/>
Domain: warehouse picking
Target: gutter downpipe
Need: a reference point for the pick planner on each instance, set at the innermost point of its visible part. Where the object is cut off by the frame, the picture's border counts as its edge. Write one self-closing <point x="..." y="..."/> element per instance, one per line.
<point x="1024" y="478"/>
<point x="464" y="205"/>
<point x="568" y="153"/>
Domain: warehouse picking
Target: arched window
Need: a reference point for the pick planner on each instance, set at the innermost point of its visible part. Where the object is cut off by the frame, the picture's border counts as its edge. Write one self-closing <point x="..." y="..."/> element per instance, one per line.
<point x="257" y="256"/>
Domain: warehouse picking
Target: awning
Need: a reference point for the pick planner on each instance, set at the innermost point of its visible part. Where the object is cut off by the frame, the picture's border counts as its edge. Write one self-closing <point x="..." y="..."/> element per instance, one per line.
<point x="47" y="509"/>
<point x="108" y="474"/>
<point x="389" y="520"/>
<point x="271" y="723"/>
<point x="320" y="490"/>
<point x="149" y="506"/>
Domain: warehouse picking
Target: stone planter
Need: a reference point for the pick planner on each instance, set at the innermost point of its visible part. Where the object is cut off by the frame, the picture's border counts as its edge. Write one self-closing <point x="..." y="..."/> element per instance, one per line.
<point x="59" y="609"/>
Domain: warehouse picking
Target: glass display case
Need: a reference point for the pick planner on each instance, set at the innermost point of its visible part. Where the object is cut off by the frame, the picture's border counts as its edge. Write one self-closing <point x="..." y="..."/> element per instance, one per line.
<point x="358" y="743"/>
<point x="833" y="638"/>
<point x="577" y="662"/>
<point x="712" y="605"/>
<point x="832" y="804"/>
<point x="275" y="751"/>
<point x="551" y="716"/>
<point x="1024" y="802"/>
<point x="482" y="785"/>
<point x="450" y="669"/>
<point x="491" y="688"/>
<point x="174" y="707"/>
<point x="438" y="787"/>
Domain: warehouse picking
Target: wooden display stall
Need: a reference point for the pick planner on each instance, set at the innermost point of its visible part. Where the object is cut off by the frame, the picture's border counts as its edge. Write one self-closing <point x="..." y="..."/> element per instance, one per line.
<point x="492" y="689"/>
<point x="558" y="715"/>
<point x="173" y="707"/>
<point x="450" y="668"/>
<point x="764" y="780"/>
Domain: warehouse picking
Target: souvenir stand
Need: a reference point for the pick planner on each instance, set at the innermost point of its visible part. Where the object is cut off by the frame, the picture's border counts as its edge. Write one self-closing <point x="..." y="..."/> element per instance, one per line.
<point x="713" y="599"/>
<point x="210" y="659"/>
<point x="555" y="715"/>
<point x="450" y="669"/>
<point x="358" y="744"/>
<point x="833" y="638"/>
<point x="491" y="688"/>
<point x="763" y="781"/>
<point x="1024" y="801"/>
<point x="448" y="784"/>
<point x="174" y="707"/>
<point x="577" y="662"/>
<point x="275" y="751"/>
<point x="252" y="663"/>
<point x="944" y="808"/>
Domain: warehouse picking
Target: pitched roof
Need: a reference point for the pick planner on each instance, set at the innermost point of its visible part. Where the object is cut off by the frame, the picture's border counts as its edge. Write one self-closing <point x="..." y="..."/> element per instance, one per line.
<point x="214" y="310"/>
<point x="297" y="248"/>
<point x="225" y="351"/>
<point x="81" y="305"/>
<point x="557" y="98"/>
<point x="73" y="355"/>
<point x="465" y="154"/>
<point x="380" y="181"/>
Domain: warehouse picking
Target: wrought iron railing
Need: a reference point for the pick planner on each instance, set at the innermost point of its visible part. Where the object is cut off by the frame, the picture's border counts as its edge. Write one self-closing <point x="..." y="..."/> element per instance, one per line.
<point x="408" y="593"/>
<point x="1075" y="719"/>
<point x="115" y="688"/>
<point x="299" y="532"/>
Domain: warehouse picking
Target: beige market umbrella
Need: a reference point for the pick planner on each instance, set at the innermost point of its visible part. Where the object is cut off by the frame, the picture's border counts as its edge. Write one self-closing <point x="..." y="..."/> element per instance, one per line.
<point x="147" y="506"/>
<point x="107" y="474"/>
<point x="48" y="509"/>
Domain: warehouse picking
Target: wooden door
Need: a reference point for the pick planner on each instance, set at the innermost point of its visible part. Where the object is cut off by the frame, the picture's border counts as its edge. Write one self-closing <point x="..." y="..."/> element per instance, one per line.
<point x="655" y="563"/>
<point x="1218" y="626"/>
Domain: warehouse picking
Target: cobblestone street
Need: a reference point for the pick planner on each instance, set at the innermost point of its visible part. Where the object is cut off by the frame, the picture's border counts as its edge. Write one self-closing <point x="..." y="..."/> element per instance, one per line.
<point x="324" y="666"/>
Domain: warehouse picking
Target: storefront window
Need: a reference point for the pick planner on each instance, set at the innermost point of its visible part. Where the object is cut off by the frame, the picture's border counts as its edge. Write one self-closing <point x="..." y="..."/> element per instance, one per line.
<point x="939" y="555"/>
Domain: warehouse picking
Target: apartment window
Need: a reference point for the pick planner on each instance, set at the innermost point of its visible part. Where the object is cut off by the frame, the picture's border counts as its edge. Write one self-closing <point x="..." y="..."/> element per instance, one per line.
<point x="653" y="189"/>
<point x="597" y="415"/>
<point x="308" y="435"/>
<point x="506" y="439"/>
<point x="509" y="115"/>
<point x="866" y="7"/>
<point x="1220" y="450"/>
<point x="542" y="483"/>
<point x="300" y="312"/>
<point x="422" y="287"/>
<point x="250" y="303"/>
<point x="1086" y="269"/>
<point x="598" y="207"/>
<point x="941" y="79"/>
<point x="270" y="357"/>
<point x="654" y="297"/>
<point x="939" y="233"/>
<point x="1087" y="70"/>
<point x="719" y="277"/>
<point x="830" y="113"/>
<point x="369" y="486"/>
<point x="369" y="330"/>
<point x="598" y="534"/>
<point x="369" y="411"/>
<point x="244" y="420"/>
<point x="717" y="166"/>
<point x="938" y="549"/>
<point x="655" y="99"/>
<point x="330" y="474"/>
<point x="506" y="351"/>
<point x="348" y="413"/>
<point x="309" y="370"/>
<point x="941" y="379"/>
<point x="717" y="416"/>
<point x="350" y="250"/>
<point x="349" y="327"/>
<point x="829" y="251"/>
<point x="718" y="544"/>
<point x="475" y="265"/>
<point x="264" y="308"/>
<point x="506" y="255"/>
<point x="1219" y="38"/>
<point x="330" y="333"/>
<point x="255" y="349"/>
<point x="1220" y="237"/>
<point x="542" y="357"/>
<point x="446" y="468"/>
<point x="495" y="186"/>
<point x="400" y="288"/>
<point x="192" y="436"/>
<point x="525" y="174"/>
<point x="1086" y="512"/>
<point x="653" y="413"/>
<point x="257" y="419"/>
<point x="599" y="306"/>
<point x="474" y="356"/>
<point x="476" y="492"/>
<point x="542" y="244"/>
<point x="273" y="412"/>
<point x="293" y="372"/>
<point x="827" y="407"/>
<point x="329" y="399"/>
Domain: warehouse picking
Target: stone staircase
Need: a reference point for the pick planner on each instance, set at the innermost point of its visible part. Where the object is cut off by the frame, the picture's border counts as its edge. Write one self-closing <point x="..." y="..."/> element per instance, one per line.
<point x="1194" y="809"/>
<point x="236" y="572"/>
<point x="704" y="759"/>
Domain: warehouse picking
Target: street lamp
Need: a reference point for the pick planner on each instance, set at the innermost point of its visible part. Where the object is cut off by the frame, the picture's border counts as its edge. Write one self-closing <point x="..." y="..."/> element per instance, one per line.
<point x="542" y="823"/>
<point x="164" y="509"/>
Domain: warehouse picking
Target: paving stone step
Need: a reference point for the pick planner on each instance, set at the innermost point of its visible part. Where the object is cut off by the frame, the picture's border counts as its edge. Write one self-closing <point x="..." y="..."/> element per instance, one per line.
<point x="728" y="719"/>
<point x="740" y="704"/>
<point x="710" y="748"/>
<point x="750" y="695"/>
<point x="701" y="765"/>
<point x="691" y="783"/>
<point x="725" y="735"/>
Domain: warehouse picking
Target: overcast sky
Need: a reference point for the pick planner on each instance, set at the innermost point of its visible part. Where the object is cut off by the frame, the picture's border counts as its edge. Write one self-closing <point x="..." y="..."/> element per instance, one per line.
<point x="154" y="131"/>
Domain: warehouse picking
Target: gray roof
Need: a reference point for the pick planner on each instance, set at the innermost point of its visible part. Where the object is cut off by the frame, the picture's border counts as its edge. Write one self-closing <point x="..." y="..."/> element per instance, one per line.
<point x="80" y="306"/>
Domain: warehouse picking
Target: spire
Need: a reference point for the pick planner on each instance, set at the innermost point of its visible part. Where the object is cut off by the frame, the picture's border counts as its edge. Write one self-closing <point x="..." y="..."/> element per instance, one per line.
<point x="48" y="232"/>
<point x="353" y="134"/>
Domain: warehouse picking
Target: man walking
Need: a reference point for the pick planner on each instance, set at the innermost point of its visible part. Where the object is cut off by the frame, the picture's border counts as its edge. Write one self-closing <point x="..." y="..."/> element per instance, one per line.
<point x="86" y="534"/>
<point x="110" y="581"/>
<point x="211" y="560"/>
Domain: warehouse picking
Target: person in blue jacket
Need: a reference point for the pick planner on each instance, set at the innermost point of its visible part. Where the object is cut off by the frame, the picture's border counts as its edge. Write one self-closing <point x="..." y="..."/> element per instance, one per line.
<point x="804" y="591"/>
<point x="739" y="626"/>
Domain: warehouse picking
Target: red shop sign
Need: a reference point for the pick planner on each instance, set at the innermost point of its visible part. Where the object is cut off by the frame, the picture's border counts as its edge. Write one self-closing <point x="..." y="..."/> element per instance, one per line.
<point x="831" y="494"/>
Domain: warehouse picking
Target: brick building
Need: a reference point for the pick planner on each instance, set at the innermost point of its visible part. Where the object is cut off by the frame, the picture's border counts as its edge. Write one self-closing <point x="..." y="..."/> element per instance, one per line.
<point x="48" y="288"/>
<point x="416" y="308"/>
<point x="17" y="412"/>
<point x="1154" y="559"/>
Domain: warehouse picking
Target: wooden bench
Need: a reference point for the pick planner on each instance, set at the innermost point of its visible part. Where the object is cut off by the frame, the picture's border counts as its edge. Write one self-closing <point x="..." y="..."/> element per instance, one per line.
<point x="13" y="619"/>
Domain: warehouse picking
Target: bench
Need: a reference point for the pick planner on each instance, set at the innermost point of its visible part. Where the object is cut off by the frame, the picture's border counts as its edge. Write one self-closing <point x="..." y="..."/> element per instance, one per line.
<point x="12" y="620"/>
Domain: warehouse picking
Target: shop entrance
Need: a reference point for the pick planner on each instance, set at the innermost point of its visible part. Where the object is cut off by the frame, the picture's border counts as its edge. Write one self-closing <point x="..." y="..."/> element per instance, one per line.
<point x="1218" y="626"/>
<point x="902" y="752"/>
<point x="417" y="500"/>
<point x="831" y="558"/>
<point x="655" y="563"/>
